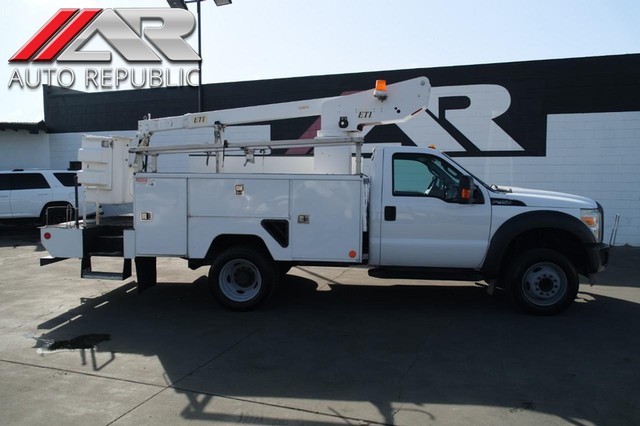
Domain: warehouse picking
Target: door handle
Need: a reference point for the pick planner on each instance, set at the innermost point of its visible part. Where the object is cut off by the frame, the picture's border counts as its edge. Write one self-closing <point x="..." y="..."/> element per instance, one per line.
<point x="390" y="213"/>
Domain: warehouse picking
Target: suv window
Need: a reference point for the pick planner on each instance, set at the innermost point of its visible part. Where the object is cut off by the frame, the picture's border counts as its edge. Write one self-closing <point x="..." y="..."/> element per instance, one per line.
<point x="67" y="179"/>
<point x="28" y="181"/>
<point x="4" y="182"/>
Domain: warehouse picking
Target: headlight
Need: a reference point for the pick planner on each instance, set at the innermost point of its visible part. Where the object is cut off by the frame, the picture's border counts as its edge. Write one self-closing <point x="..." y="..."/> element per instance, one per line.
<point x="593" y="219"/>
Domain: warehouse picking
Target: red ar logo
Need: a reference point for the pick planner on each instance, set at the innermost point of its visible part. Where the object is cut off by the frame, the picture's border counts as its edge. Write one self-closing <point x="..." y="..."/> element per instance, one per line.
<point x="64" y="35"/>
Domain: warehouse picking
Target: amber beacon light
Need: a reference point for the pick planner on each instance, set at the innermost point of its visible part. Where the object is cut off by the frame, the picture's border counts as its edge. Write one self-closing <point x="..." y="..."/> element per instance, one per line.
<point x="380" y="91"/>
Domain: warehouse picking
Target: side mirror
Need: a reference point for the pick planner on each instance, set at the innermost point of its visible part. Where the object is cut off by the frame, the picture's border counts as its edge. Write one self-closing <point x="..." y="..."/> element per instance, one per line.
<point x="466" y="190"/>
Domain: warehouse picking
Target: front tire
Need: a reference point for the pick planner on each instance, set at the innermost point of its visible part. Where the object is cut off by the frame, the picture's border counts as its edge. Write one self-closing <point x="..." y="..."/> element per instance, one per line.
<point x="543" y="281"/>
<point x="241" y="278"/>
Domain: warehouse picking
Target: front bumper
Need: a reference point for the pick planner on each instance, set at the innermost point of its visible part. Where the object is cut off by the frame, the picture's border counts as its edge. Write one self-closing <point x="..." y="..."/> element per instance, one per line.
<point x="597" y="257"/>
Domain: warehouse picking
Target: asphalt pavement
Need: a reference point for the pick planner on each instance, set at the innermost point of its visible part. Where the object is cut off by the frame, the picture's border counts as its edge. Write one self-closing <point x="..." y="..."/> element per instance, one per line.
<point x="332" y="347"/>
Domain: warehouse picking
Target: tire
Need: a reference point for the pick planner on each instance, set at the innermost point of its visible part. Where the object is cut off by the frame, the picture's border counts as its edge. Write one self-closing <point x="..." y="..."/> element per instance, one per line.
<point x="284" y="268"/>
<point x="543" y="281"/>
<point x="241" y="278"/>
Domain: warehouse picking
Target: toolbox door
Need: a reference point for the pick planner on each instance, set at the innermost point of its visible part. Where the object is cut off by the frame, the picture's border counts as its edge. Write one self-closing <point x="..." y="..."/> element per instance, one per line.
<point x="326" y="220"/>
<point x="160" y="209"/>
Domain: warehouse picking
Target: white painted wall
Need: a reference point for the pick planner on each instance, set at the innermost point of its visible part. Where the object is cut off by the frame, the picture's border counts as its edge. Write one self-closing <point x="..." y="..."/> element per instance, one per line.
<point x="594" y="155"/>
<point x="23" y="150"/>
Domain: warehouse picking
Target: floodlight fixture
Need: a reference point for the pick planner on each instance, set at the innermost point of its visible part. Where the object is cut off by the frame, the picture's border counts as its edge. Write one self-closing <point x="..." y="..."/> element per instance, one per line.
<point x="177" y="4"/>
<point x="182" y="4"/>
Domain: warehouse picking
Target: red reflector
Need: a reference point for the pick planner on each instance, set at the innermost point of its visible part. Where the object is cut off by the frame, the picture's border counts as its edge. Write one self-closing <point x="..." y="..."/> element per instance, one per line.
<point x="47" y="235"/>
<point x="353" y="254"/>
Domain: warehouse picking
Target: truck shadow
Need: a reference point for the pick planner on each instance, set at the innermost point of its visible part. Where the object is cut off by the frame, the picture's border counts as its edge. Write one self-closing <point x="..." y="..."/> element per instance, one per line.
<point x="401" y="349"/>
<point x="15" y="235"/>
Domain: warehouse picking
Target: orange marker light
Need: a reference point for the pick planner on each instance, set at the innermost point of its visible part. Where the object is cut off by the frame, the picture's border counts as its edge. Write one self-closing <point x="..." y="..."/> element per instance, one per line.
<point x="381" y="85"/>
<point x="380" y="91"/>
<point x="353" y="254"/>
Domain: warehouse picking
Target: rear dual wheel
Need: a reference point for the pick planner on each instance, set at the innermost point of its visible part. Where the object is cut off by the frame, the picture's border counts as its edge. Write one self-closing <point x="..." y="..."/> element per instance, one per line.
<point x="241" y="278"/>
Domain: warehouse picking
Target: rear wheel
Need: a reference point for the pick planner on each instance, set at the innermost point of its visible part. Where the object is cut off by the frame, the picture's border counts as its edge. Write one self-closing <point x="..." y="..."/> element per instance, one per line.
<point x="284" y="268"/>
<point x="241" y="278"/>
<point x="543" y="281"/>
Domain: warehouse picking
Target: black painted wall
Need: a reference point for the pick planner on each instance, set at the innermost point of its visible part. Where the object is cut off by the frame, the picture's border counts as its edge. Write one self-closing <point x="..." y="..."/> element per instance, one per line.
<point x="537" y="88"/>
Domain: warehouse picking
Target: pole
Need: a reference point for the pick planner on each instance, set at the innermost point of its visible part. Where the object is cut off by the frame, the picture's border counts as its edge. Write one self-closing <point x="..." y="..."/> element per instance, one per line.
<point x="199" y="60"/>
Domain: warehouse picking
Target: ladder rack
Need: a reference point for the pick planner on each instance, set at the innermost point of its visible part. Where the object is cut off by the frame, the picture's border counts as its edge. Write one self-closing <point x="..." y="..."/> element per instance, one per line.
<point x="248" y="148"/>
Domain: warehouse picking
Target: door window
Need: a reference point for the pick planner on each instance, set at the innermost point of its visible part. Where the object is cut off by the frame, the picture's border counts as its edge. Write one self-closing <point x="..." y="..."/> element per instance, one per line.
<point x="424" y="176"/>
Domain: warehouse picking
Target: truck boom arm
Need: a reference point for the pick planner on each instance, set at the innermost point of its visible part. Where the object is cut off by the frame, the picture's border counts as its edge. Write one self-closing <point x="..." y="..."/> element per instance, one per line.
<point x="342" y="120"/>
<point x="340" y="115"/>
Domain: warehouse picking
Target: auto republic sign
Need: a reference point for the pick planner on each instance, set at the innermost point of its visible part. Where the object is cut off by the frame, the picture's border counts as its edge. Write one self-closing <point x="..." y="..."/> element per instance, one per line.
<point x="54" y="53"/>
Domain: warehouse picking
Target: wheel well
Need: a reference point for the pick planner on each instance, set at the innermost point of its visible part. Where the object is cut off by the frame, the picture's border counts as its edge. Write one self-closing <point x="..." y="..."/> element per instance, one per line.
<point x="224" y="242"/>
<point x="43" y="212"/>
<point x="559" y="240"/>
<point x="54" y="204"/>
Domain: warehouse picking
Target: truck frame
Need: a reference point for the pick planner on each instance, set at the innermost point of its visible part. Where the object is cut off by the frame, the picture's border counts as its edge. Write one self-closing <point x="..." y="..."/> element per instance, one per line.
<point x="415" y="214"/>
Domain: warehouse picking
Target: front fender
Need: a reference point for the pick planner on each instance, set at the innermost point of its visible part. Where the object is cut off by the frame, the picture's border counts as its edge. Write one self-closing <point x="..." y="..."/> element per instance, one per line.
<point x="524" y="222"/>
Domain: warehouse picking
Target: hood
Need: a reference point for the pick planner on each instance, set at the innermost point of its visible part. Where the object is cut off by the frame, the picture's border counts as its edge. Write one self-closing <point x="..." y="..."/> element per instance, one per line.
<point x="539" y="198"/>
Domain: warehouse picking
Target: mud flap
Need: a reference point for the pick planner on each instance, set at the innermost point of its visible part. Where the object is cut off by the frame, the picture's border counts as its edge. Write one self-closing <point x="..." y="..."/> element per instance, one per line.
<point x="146" y="273"/>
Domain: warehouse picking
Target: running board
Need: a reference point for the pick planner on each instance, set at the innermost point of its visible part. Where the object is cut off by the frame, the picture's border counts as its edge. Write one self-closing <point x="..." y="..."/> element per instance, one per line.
<point x="440" y="274"/>
<point x="87" y="272"/>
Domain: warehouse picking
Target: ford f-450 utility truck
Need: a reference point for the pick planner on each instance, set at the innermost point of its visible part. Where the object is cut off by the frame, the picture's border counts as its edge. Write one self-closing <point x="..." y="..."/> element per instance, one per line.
<point x="415" y="214"/>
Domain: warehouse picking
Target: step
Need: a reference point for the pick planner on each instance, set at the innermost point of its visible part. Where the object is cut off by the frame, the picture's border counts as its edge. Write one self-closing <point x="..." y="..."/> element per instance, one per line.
<point x="86" y="270"/>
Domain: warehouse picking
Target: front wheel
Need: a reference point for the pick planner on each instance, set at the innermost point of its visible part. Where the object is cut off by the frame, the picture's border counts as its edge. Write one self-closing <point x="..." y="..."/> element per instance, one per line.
<point x="241" y="278"/>
<point x="543" y="281"/>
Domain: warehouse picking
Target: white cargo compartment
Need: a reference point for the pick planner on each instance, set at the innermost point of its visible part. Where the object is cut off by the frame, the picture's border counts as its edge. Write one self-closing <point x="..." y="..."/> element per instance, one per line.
<point x="239" y="196"/>
<point x="160" y="216"/>
<point x="105" y="173"/>
<point x="325" y="213"/>
<point x="326" y="219"/>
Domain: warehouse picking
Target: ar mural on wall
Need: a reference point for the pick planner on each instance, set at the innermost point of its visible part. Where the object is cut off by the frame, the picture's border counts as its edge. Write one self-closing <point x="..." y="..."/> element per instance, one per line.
<point x="476" y="120"/>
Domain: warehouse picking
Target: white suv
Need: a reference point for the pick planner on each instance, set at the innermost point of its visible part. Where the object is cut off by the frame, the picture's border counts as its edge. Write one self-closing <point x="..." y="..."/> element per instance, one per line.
<point x="46" y="196"/>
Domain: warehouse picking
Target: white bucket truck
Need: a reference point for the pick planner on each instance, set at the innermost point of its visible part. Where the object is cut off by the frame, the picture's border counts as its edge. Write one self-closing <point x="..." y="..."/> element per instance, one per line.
<point x="417" y="214"/>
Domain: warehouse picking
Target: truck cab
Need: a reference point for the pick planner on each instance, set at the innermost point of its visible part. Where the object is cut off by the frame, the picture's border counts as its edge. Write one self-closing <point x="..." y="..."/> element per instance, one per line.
<point x="431" y="219"/>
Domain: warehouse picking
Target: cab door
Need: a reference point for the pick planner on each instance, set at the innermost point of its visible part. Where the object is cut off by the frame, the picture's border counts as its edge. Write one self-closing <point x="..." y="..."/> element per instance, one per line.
<point x="424" y="223"/>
